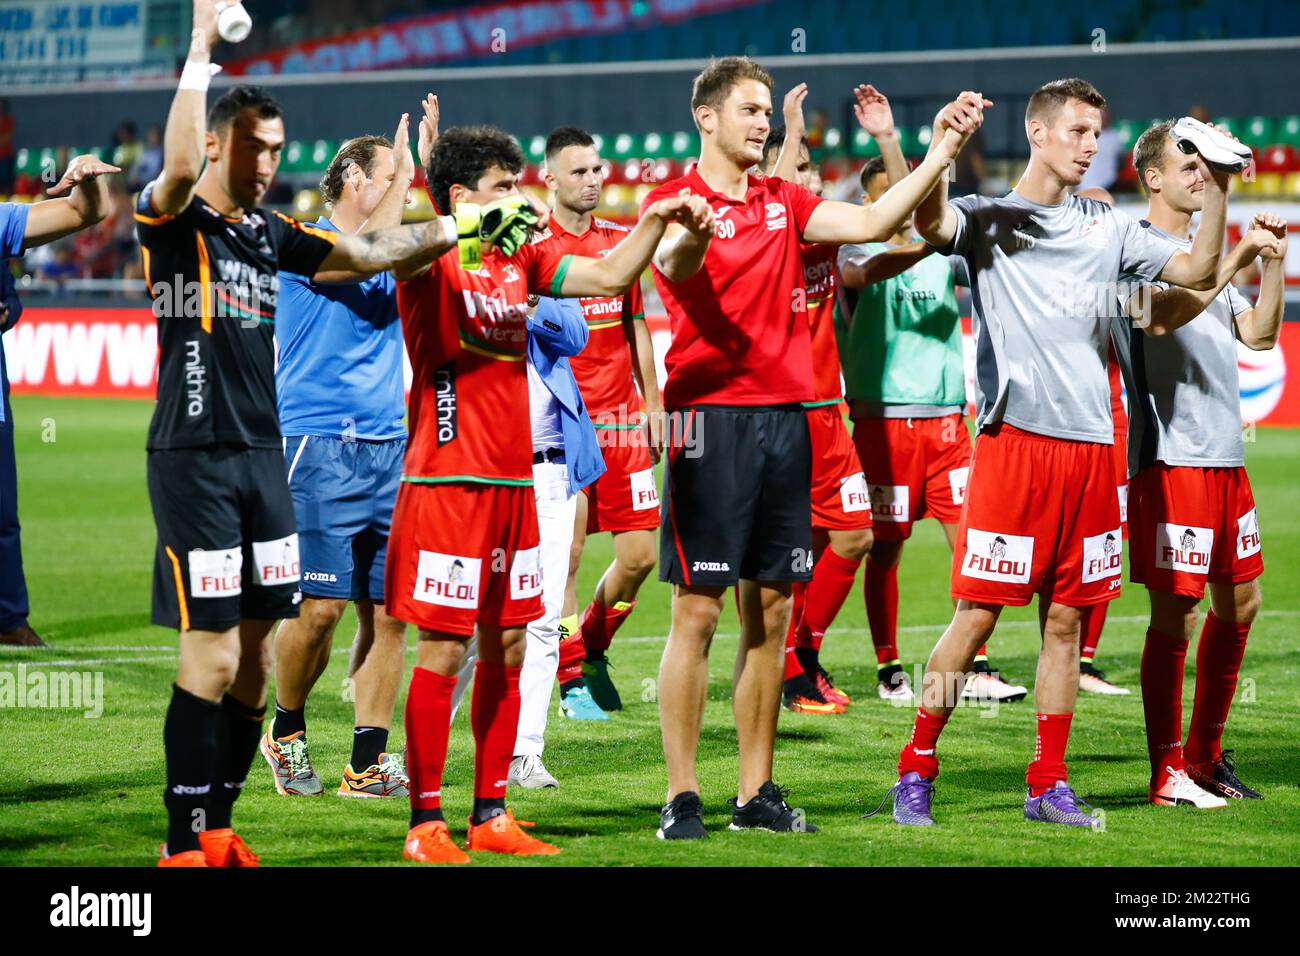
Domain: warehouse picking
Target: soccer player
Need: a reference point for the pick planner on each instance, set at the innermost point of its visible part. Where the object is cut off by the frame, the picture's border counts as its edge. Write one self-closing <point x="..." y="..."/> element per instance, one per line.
<point x="1092" y="678"/>
<point x="737" y="501"/>
<point x="226" y="565"/>
<point x="1041" y="515"/>
<point x="841" y="505"/>
<point x="463" y="556"/>
<point x="905" y="376"/>
<point x="24" y="227"/>
<point x="1192" y="510"/>
<point x="615" y="372"/>
<point x="566" y="459"/>
<point x="342" y="409"/>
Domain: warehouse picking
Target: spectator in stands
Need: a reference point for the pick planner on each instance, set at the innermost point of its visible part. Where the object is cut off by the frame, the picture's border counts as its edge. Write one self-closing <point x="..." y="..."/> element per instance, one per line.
<point x="61" y="265"/>
<point x="127" y="147"/>
<point x="6" y="150"/>
<point x="150" y="164"/>
<point x="1108" y="160"/>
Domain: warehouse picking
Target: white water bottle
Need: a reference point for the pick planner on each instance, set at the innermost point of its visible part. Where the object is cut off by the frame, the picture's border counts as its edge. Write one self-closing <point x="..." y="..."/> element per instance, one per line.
<point x="233" y="22"/>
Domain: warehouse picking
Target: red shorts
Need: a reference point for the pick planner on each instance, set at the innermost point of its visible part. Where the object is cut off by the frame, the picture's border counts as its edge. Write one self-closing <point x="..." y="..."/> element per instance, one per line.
<point x="1041" y="517"/>
<point x="624" y="498"/>
<point x="840" y="499"/>
<point x="464" y="554"/>
<point x="916" y="468"/>
<point x="1193" y="525"/>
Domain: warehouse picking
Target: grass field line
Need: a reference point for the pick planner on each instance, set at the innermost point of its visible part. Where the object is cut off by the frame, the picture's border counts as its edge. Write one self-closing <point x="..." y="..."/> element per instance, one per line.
<point x="150" y="653"/>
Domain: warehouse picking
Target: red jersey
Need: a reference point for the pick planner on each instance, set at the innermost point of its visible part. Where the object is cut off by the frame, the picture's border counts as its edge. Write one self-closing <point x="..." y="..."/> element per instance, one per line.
<point x="604" y="368"/>
<point x="819" y="280"/>
<point x="736" y="337"/>
<point x="467" y="336"/>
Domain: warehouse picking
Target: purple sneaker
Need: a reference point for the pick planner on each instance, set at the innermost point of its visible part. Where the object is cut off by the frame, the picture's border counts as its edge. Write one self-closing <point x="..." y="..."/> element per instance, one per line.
<point x="1059" y="804"/>
<point x="912" y="795"/>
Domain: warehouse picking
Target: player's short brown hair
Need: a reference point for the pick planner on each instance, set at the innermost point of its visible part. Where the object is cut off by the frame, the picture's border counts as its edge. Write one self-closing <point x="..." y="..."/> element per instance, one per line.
<point x="360" y="150"/>
<point x="772" y="148"/>
<point x="716" y="80"/>
<point x="875" y="167"/>
<point x="1149" y="150"/>
<point x="563" y="137"/>
<point x="464" y="154"/>
<point x="1048" y="99"/>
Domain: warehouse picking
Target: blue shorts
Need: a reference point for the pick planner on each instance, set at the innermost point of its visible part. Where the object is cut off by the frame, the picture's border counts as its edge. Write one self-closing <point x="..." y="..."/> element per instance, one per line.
<point x="343" y="496"/>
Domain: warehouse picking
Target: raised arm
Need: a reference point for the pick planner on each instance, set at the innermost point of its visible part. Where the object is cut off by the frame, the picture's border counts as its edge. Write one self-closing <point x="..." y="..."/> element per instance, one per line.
<point x="787" y="161"/>
<point x="935" y="221"/>
<point x="87" y="204"/>
<point x="406" y="250"/>
<point x="1161" y="311"/>
<point x="184" y="137"/>
<point x="1198" y="267"/>
<point x="1258" y="328"/>
<point x="615" y="273"/>
<point x="388" y="212"/>
<point x="874" y="114"/>
<point x="842" y="222"/>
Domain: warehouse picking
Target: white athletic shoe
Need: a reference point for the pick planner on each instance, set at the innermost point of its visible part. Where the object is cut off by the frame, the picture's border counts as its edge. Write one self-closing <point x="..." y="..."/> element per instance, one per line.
<point x="1193" y="136"/>
<point x="1095" y="682"/>
<point x="1177" y="789"/>
<point x="530" y="773"/>
<point x="990" y="687"/>
<point x="898" y="692"/>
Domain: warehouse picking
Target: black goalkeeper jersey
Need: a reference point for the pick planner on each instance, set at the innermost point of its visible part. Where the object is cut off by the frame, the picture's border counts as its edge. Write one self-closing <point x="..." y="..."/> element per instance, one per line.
<point x="214" y="284"/>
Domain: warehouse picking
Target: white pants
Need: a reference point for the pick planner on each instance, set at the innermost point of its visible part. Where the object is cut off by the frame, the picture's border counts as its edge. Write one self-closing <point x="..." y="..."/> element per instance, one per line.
<point x="556" y="512"/>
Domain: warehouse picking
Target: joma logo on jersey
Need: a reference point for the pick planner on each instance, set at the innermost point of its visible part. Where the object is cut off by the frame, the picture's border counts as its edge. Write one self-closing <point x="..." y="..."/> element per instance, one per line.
<point x="1103" y="556"/>
<point x="444" y="392"/>
<point x="998" y="557"/>
<point x="451" y="580"/>
<point x="1182" y="547"/>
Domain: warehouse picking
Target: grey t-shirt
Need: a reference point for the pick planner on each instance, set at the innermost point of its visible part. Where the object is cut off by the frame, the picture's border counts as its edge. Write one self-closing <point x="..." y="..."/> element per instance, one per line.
<point x="1184" y="399"/>
<point x="1044" y="292"/>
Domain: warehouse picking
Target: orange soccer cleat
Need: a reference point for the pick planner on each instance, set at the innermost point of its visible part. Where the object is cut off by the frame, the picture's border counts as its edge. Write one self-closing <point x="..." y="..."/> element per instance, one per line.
<point x="432" y="843"/>
<point x="225" y="847"/>
<point x="504" y="834"/>
<point x="184" y="858"/>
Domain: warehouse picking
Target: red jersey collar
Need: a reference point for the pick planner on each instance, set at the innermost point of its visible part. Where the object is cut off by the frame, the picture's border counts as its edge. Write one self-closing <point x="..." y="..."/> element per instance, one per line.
<point x="698" y="185"/>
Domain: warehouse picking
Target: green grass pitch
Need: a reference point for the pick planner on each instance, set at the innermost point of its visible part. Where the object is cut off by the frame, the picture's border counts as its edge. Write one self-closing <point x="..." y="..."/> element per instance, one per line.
<point x="88" y="791"/>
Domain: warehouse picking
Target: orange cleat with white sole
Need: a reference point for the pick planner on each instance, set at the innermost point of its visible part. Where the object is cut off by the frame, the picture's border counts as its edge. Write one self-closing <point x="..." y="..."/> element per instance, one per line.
<point x="225" y="847"/>
<point x="431" y="842"/>
<point x="184" y="858"/>
<point x="504" y="834"/>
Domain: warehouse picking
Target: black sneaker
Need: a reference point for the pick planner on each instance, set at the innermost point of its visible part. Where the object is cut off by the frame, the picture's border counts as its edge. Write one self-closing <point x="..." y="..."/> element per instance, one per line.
<point x="769" y="811"/>
<point x="682" y="819"/>
<point x="602" y="689"/>
<point x="1220" y="777"/>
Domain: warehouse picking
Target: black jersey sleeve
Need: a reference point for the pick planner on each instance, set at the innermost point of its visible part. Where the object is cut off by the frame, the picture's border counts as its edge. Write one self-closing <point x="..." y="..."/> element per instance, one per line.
<point x="151" y="225"/>
<point x="299" y="247"/>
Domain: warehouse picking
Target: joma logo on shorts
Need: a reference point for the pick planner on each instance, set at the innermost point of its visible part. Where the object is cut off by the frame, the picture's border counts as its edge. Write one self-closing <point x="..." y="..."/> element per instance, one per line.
<point x="710" y="566"/>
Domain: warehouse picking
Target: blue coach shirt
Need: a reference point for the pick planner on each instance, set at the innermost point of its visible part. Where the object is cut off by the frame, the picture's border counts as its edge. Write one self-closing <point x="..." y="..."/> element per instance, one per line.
<point x="13" y="227"/>
<point x="340" y="371"/>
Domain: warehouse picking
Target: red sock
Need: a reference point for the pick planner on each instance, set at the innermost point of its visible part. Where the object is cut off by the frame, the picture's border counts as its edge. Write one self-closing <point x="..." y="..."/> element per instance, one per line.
<point x="572" y="654"/>
<point x="792" y="666"/>
<point x="1094" y="619"/>
<point x="881" y="593"/>
<point x="428" y="723"/>
<point x="600" y="624"/>
<point x="833" y="578"/>
<point x="494" y="715"/>
<point x="1048" y="765"/>
<point x="798" y="605"/>
<point x="1163" y="657"/>
<point x="1218" y="660"/>
<point x="918" y="753"/>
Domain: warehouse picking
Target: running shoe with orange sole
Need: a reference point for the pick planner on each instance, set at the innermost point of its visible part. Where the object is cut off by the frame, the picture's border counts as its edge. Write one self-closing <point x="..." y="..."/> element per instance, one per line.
<point x="431" y="842"/>
<point x="504" y="834"/>
<point x="802" y="697"/>
<point x="225" y="847"/>
<point x="387" y="778"/>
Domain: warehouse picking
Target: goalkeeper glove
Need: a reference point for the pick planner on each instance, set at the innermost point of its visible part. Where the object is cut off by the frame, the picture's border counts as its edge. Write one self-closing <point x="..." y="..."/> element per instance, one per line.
<point x="503" y="222"/>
